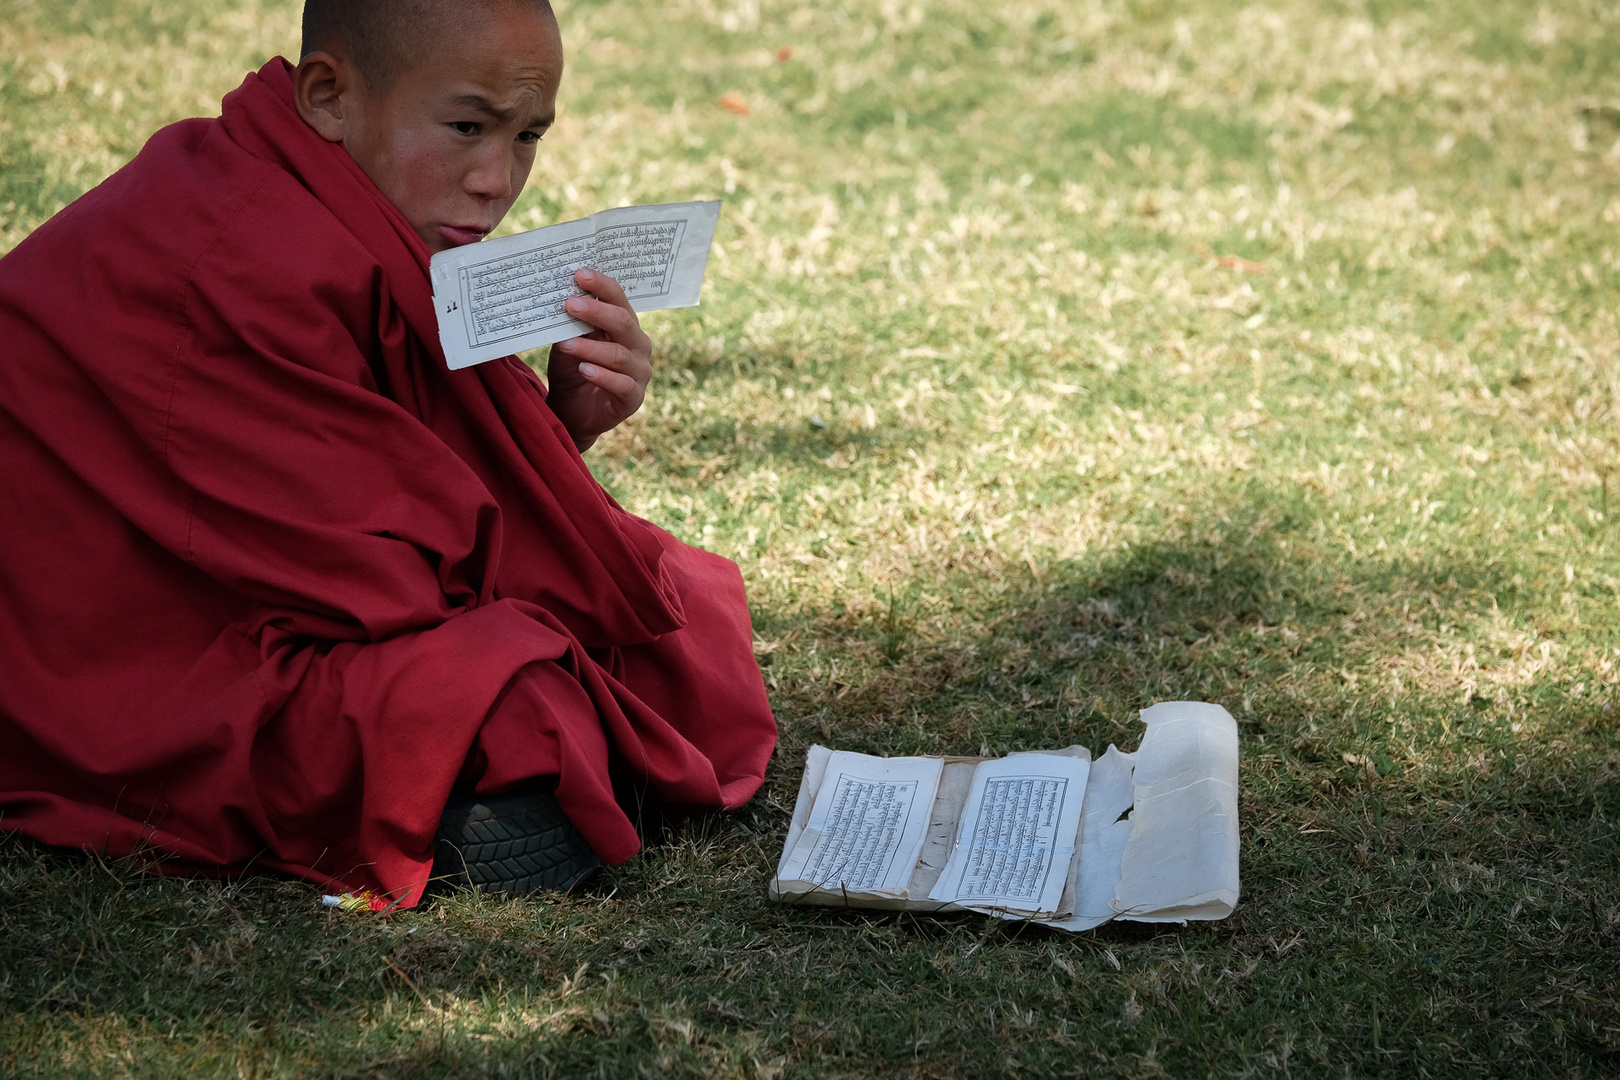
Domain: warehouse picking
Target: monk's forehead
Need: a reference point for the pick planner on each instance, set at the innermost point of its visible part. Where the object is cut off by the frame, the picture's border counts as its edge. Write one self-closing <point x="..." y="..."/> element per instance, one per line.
<point x="515" y="69"/>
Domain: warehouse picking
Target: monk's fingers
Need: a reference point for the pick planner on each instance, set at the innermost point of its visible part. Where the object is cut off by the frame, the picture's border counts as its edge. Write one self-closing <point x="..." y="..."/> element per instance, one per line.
<point x="609" y="354"/>
<point x="616" y="384"/>
<point x="619" y="323"/>
<point x="602" y="287"/>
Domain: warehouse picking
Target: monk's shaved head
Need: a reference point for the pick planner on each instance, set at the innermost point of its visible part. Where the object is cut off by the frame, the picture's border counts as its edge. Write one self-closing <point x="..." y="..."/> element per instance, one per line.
<point x="384" y="37"/>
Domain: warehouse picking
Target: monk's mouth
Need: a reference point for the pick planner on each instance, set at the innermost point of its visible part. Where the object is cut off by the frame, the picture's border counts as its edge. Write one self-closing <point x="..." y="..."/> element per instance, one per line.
<point x="461" y="235"/>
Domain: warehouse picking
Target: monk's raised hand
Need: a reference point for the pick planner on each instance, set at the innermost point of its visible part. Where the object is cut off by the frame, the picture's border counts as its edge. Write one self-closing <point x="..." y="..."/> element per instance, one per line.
<point x="598" y="381"/>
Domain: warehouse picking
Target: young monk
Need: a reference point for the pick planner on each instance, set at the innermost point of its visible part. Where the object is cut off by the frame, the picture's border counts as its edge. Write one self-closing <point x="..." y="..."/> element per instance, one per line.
<point x="274" y="583"/>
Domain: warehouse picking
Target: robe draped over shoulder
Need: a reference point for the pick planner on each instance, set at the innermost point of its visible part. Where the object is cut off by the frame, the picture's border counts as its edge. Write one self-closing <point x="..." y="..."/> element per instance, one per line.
<point x="272" y="578"/>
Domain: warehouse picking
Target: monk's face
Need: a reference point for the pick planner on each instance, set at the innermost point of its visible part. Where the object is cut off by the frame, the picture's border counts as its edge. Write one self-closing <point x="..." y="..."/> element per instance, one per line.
<point x="452" y="139"/>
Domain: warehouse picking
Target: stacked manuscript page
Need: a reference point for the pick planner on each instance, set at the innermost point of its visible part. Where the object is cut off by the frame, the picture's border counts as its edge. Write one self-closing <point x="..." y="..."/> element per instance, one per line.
<point x="1052" y="837"/>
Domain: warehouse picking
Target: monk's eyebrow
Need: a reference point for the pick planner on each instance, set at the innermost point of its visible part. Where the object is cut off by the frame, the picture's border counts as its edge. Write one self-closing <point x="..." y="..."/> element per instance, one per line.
<point x="479" y="103"/>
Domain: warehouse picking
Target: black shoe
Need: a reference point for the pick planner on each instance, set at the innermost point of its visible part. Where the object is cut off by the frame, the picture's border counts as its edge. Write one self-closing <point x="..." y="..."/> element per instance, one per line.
<point x="518" y="843"/>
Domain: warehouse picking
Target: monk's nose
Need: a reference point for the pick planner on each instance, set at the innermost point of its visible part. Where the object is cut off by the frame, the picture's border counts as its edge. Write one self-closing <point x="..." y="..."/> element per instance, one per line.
<point x="491" y="177"/>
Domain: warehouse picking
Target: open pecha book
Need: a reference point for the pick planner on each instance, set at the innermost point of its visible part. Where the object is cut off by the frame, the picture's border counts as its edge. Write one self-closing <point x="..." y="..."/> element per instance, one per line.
<point x="1051" y="837"/>
<point x="506" y="295"/>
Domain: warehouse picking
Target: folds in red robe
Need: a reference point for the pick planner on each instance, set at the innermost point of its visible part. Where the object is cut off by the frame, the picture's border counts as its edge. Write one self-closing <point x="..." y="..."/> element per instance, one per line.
<point x="272" y="578"/>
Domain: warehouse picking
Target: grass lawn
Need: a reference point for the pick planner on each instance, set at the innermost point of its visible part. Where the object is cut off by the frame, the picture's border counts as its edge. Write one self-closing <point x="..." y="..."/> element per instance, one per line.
<point x="1057" y="357"/>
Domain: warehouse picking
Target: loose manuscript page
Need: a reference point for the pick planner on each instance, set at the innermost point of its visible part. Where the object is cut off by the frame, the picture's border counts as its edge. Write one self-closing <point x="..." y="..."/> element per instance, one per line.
<point x="1181" y="861"/>
<point x="503" y="296"/>
<point x="1017" y="835"/>
<point x="1104" y="830"/>
<point x="867" y="826"/>
<point x="1159" y="836"/>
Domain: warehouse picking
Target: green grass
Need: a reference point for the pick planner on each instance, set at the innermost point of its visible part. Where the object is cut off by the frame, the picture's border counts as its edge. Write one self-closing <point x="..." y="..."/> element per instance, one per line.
<point x="1006" y="455"/>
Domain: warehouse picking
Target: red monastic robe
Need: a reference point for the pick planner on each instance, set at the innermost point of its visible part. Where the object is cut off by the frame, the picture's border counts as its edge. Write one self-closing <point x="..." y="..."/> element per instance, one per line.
<point x="272" y="578"/>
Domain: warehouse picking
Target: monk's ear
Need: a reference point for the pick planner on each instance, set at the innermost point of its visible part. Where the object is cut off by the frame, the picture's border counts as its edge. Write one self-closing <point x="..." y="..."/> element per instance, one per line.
<point x="324" y="87"/>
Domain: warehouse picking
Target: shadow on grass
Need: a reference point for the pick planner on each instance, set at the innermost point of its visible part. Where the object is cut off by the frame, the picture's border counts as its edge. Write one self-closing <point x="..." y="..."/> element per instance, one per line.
<point x="1420" y="837"/>
<point x="1428" y="876"/>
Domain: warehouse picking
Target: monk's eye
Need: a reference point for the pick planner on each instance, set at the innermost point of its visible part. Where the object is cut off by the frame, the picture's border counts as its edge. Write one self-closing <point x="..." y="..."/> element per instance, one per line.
<point x="465" y="127"/>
